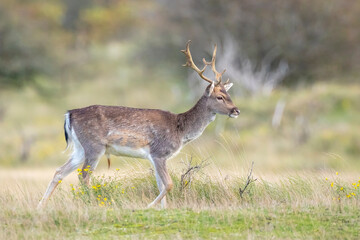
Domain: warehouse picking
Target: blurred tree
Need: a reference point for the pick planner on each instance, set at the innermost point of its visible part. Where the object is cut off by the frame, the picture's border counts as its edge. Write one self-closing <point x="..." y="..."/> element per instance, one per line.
<point x="72" y="13"/>
<point x="108" y="21"/>
<point x="27" y="41"/>
<point x="314" y="37"/>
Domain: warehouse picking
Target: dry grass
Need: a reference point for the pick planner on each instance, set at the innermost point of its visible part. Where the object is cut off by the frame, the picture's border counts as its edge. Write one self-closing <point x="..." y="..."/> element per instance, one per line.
<point x="71" y="215"/>
<point x="25" y="187"/>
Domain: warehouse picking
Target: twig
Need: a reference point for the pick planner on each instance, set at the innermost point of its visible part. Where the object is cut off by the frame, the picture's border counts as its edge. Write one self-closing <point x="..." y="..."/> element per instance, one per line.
<point x="249" y="180"/>
<point x="186" y="177"/>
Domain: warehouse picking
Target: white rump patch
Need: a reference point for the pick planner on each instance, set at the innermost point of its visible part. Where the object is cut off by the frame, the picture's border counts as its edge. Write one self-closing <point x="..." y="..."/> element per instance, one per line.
<point x="67" y="129"/>
<point x="78" y="153"/>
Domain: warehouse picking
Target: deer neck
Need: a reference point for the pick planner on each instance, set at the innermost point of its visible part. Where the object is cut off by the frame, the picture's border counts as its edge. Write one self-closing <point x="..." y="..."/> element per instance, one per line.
<point x="192" y="123"/>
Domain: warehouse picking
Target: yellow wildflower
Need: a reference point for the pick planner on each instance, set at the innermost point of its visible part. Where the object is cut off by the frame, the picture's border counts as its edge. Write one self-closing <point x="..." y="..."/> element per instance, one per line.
<point x="60" y="181"/>
<point x="86" y="169"/>
<point x="337" y="173"/>
<point x="341" y="188"/>
<point x="326" y="178"/>
<point x="332" y="184"/>
<point x="105" y="199"/>
<point x="94" y="187"/>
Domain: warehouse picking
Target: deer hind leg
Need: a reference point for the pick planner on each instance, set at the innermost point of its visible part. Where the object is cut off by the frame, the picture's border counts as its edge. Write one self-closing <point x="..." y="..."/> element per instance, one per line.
<point x="77" y="158"/>
<point x="72" y="164"/>
<point x="92" y="159"/>
<point x="163" y="181"/>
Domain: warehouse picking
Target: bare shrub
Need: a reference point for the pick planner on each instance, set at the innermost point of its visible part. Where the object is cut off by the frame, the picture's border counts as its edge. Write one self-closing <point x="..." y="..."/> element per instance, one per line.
<point x="249" y="180"/>
<point x="190" y="170"/>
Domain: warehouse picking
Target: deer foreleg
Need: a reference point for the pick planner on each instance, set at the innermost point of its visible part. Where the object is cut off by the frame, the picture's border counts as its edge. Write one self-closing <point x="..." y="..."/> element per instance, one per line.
<point x="163" y="181"/>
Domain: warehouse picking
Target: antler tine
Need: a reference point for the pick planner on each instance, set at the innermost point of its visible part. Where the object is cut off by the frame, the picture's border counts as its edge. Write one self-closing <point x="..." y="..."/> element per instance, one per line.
<point x="212" y="63"/>
<point x="190" y="63"/>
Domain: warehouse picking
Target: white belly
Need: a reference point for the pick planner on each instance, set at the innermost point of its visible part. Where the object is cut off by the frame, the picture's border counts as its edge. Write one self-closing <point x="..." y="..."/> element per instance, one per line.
<point x="128" y="151"/>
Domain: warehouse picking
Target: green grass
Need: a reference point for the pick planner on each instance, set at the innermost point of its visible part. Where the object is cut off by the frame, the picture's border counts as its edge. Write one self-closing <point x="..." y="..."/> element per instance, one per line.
<point x="315" y="222"/>
<point x="288" y="223"/>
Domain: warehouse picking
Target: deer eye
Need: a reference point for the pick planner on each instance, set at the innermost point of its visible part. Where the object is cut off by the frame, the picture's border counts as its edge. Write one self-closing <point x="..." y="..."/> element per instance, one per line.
<point x="220" y="98"/>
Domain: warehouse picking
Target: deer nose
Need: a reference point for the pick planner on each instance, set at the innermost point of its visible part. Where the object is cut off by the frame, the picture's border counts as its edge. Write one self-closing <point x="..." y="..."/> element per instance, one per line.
<point x="235" y="110"/>
<point x="234" y="113"/>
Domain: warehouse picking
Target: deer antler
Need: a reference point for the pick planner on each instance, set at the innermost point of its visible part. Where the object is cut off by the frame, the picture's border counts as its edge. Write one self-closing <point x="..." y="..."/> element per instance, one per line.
<point x="212" y="63"/>
<point x="190" y="63"/>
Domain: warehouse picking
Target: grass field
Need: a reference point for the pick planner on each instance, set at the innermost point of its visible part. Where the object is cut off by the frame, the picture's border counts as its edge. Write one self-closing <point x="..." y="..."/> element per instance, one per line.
<point x="307" y="206"/>
<point x="297" y="194"/>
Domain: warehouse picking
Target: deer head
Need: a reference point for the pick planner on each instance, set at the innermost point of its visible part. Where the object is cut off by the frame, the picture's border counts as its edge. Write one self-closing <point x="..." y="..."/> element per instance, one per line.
<point x="218" y="99"/>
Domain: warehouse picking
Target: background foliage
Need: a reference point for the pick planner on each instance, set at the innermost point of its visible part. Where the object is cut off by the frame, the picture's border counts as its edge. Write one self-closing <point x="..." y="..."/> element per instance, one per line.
<point x="317" y="39"/>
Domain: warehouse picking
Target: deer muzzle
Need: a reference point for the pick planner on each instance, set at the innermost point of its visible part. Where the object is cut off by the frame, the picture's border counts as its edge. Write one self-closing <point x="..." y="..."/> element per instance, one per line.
<point x="234" y="113"/>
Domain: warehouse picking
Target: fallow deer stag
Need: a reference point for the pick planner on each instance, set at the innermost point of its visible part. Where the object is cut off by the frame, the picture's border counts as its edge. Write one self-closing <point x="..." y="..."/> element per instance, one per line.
<point x="152" y="134"/>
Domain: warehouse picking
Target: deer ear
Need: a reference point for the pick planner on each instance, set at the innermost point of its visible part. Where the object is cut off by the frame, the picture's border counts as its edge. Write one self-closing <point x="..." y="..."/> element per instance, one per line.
<point x="227" y="86"/>
<point x="211" y="89"/>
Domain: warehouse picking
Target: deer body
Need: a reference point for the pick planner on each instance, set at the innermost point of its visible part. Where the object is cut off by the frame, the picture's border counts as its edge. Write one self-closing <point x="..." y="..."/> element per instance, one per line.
<point x="133" y="132"/>
<point x="124" y="131"/>
<point x="152" y="134"/>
